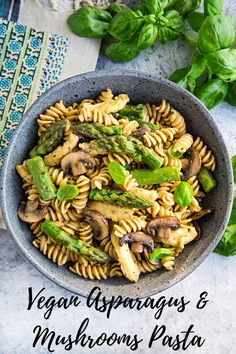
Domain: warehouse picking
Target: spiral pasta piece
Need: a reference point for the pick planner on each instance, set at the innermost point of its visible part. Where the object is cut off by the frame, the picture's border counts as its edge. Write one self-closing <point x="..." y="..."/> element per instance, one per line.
<point x="183" y="143"/>
<point x="101" y="179"/>
<point x="208" y="159"/>
<point x="85" y="232"/>
<point x="58" y="254"/>
<point x="168" y="262"/>
<point x="50" y="116"/>
<point x="108" y="247"/>
<point x="154" y="209"/>
<point x="159" y="137"/>
<point x="164" y="108"/>
<point x="121" y="158"/>
<point x="128" y="127"/>
<point x="89" y="114"/>
<point x="169" y="161"/>
<point x="96" y="271"/>
<point x="130" y="182"/>
<point x="144" y="265"/>
<point x="176" y="120"/>
<point x="115" y="270"/>
<point x="127" y="226"/>
<point x="83" y="184"/>
<point x="105" y="95"/>
<point x="151" y="114"/>
<point x="58" y="176"/>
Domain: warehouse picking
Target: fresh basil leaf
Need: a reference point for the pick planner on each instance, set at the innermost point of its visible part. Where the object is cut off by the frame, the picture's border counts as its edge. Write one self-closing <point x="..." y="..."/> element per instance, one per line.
<point x="212" y="93"/>
<point x="150" y="18"/>
<point x="216" y="32"/>
<point x="170" y="26"/>
<point x="89" y="22"/>
<point x="125" y="24"/>
<point x="213" y="7"/>
<point x="147" y="36"/>
<point x="160" y="253"/>
<point x="184" y="194"/>
<point x="117" y="172"/>
<point x="174" y="154"/>
<point x="195" y="20"/>
<point x="197" y="68"/>
<point x="179" y="77"/>
<point x="231" y="96"/>
<point x="233" y="161"/>
<point x="232" y="219"/>
<point x="155" y="7"/>
<point x="223" y="64"/>
<point x="227" y="245"/>
<point x="67" y="192"/>
<point x="122" y="51"/>
<point x="115" y="8"/>
<point x="143" y="9"/>
<point x="184" y="7"/>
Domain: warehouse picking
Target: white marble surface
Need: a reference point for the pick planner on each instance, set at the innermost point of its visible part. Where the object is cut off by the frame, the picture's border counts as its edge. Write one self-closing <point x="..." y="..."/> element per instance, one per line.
<point x="217" y="275"/>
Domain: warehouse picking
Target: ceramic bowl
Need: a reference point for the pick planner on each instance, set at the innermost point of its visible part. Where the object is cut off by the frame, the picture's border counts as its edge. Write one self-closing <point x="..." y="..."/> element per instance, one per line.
<point x="140" y="87"/>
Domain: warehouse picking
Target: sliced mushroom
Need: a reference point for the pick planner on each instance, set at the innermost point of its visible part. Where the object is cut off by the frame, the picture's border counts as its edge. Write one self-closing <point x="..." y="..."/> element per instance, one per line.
<point x="137" y="247"/>
<point x="140" y="132"/>
<point x="32" y="211"/>
<point x="194" y="164"/>
<point x="198" y="229"/>
<point x="79" y="162"/>
<point x="201" y="213"/>
<point x="159" y="224"/>
<point x="98" y="223"/>
<point x="138" y="240"/>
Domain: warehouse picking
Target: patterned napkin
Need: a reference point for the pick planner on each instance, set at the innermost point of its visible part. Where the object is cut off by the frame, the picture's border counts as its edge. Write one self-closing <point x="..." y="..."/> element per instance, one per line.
<point x="30" y="62"/>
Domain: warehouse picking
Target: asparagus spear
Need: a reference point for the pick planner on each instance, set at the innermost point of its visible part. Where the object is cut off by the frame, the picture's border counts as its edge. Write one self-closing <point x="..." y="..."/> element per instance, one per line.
<point x="161" y="175"/>
<point x="60" y="236"/>
<point x="124" y="145"/>
<point x="49" y="140"/>
<point x="96" y="130"/>
<point x="142" y="123"/>
<point x="206" y="179"/>
<point x="137" y="113"/>
<point x="41" y="177"/>
<point x="123" y="199"/>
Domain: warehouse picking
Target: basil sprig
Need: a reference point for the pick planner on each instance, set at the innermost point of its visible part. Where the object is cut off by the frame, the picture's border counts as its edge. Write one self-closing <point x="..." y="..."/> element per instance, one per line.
<point x="67" y="192"/>
<point x="184" y="194"/>
<point x="132" y="30"/>
<point x="117" y="172"/>
<point x="211" y="72"/>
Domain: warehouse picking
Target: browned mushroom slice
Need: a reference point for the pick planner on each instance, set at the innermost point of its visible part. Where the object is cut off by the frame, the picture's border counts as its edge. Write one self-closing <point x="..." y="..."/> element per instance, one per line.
<point x="198" y="229"/>
<point x="140" y="132"/>
<point x="138" y="239"/>
<point x="137" y="247"/>
<point x="201" y="213"/>
<point x="79" y="162"/>
<point x="32" y="211"/>
<point x="98" y="223"/>
<point x="167" y="222"/>
<point x="194" y="164"/>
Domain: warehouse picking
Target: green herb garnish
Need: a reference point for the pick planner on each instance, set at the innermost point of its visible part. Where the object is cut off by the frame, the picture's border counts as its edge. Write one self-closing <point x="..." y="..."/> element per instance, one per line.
<point x="67" y="192"/>
<point x="117" y="172"/>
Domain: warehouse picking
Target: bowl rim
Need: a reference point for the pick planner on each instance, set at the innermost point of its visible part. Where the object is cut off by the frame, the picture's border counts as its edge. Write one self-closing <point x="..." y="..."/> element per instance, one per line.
<point x="95" y="75"/>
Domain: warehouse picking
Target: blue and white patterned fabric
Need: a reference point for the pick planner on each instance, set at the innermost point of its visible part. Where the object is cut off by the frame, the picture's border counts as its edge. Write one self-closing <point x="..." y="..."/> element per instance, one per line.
<point x="30" y="62"/>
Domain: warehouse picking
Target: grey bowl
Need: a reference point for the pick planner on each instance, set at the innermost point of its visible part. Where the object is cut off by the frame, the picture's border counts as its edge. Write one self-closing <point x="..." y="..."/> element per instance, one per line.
<point x="141" y="88"/>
